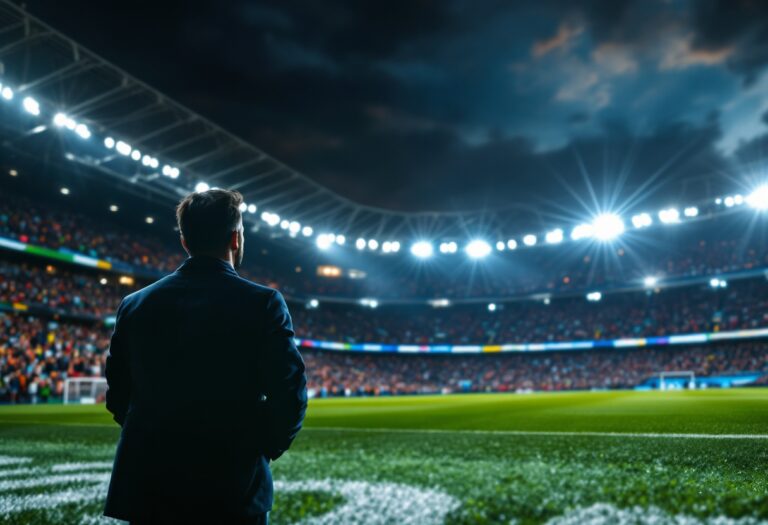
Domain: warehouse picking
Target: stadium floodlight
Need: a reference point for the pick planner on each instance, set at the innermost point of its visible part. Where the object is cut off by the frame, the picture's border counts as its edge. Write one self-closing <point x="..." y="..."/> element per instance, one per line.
<point x="149" y="220"/>
<point x="167" y="170"/>
<point x="594" y="297"/>
<point x="60" y="119"/>
<point x="718" y="283"/>
<point x="146" y="160"/>
<point x="642" y="220"/>
<point x="422" y="249"/>
<point x="373" y="244"/>
<point x="31" y="106"/>
<point x="738" y="200"/>
<point x="386" y="247"/>
<point x="324" y="241"/>
<point x="530" y="240"/>
<point x="312" y="304"/>
<point x="201" y="187"/>
<point x="607" y="226"/>
<point x="729" y="202"/>
<point x="395" y="245"/>
<point x="719" y="201"/>
<point x="154" y="163"/>
<point x="340" y="240"/>
<point x="109" y="143"/>
<point x="136" y="155"/>
<point x="691" y="211"/>
<point x="113" y="208"/>
<point x="123" y="148"/>
<point x="582" y="231"/>
<point x="512" y="244"/>
<point x="370" y="303"/>
<point x="6" y="93"/>
<point x="448" y="247"/>
<point x="284" y="224"/>
<point x="306" y="231"/>
<point x="554" y="236"/>
<point x="758" y="199"/>
<point x="439" y="303"/>
<point x="500" y="246"/>
<point x="650" y="281"/>
<point x="360" y="244"/>
<point x="669" y="216"/>
<point x="478" y="249"/>
<point x="252" y="208"/>
<point x="243" y="206"/>
<point x="295" y="227"/>
<point x="84" y="133"/>
<point x="64" y="191"/>
<point x="491" y="307"/>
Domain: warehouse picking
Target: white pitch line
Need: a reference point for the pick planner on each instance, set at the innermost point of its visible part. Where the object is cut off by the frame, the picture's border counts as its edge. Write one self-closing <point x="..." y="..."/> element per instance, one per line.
<point x="545" y="433"/>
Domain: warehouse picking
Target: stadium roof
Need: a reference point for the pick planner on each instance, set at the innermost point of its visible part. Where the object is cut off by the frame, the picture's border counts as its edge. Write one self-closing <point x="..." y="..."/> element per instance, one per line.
<point x="41" y="61"/>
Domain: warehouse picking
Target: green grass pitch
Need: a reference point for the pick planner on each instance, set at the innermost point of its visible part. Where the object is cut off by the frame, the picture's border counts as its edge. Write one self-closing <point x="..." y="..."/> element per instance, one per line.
<point x="682" y="458"/>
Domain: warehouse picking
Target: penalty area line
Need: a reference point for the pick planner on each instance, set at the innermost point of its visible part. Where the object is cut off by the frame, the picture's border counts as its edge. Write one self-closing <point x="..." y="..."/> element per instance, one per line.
<point x="543" y="433"/>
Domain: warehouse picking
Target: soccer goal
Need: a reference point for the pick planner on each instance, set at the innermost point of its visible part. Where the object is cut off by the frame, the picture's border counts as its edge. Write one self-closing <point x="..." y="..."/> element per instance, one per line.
<point x="85" y="390"/>
<point x="677" y="380"/>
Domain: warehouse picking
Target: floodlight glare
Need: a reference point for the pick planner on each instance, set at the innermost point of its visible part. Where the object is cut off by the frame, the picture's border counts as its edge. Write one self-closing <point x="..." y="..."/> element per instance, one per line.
<point x="373" y="244"/>
<point x="136" y="155"/>
<point x="294" y="227"/>
<point x="64" y="191"/>
<point x="530" y="240"/>
<point x="478" y="249"/>
<point x="594" y="297"/>
<point x="113" y="208"/>
<point x="360" y="244"/>
<point x="31" y="106"/>
<point x="555" y="236"/>
<point x="340" y="240"/>
<point x="448" y="247"/>
<point x="512" y="244"/>
<point x="284" y="224"/>
<point x="200" y="187"/>
<point x="669" y="216"/>
<point x="650" y="281"/>
<point x="243" y="206"/>
<point x="691" y="211"/>
<point x="501" y="246"/>
<point x="491" y="307"/>
<point x="395" y="245"/>
<point x="729" y="202"/>
<point x="642" y="220"/>
<point x="109" y="142"/>
<point x="422" y="249"/>
<point x="607" y="226"/>
<point x="252" y="208"/>
<point x="758" y="199"/>
<point x="6" y="93"/>
<point x="306" y="231"/>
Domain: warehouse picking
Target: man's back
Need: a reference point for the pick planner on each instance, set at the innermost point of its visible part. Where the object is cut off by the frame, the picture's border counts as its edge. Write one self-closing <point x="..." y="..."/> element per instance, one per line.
<point x="208" y="385"/>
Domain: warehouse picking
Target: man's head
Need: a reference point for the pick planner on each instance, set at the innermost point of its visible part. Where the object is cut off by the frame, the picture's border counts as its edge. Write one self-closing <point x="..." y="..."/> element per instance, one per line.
<point x="211" y="223"/>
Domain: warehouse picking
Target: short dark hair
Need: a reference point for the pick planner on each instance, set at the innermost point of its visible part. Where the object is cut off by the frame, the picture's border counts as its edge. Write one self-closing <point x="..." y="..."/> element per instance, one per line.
<point x="207" y="219"/>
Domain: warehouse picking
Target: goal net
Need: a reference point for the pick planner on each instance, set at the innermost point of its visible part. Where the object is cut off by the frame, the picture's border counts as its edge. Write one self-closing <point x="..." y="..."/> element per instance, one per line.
<point x="677" y="380"/>
<point x="85" y="390"/>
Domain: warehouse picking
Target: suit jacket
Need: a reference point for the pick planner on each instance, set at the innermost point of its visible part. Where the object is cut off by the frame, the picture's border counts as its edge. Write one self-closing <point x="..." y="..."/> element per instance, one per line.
<point x="208" y="387"/>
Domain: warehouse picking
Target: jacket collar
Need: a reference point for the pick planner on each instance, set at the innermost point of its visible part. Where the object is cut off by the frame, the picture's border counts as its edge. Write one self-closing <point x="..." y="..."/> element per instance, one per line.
<point x="206" y="264"/>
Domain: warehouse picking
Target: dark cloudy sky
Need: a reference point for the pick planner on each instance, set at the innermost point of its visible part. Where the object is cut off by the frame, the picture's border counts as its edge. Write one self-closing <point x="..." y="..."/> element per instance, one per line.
<point x="463" y="104"/>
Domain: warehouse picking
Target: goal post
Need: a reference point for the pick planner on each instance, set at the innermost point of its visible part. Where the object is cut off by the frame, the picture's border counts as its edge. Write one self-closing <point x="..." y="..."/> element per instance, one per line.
<point x="677" y="380"/>
<point x="84" y="390"/>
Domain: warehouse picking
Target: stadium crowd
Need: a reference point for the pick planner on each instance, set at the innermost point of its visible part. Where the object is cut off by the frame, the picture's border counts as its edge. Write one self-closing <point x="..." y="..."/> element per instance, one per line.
<point x="691" y="309"/>
<point x="695" y="250"/>
<point x="37" y="355"/>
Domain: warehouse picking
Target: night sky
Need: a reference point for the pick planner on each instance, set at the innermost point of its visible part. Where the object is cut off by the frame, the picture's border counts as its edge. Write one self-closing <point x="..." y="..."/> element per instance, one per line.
<point x="450" y="105"/>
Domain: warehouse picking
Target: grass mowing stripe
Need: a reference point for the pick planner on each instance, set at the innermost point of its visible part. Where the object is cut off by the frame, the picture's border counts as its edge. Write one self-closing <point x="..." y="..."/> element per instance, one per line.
<point x="545" y="433"/>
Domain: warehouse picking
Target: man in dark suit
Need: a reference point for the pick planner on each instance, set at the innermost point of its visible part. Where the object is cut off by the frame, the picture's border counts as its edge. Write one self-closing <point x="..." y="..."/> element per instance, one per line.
<point x="205" y="381"/>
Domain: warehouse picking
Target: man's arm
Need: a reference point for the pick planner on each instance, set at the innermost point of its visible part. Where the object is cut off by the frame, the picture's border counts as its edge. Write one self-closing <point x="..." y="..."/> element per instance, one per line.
<point x="118" y="371"/>
<point x="283" y="373"/>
